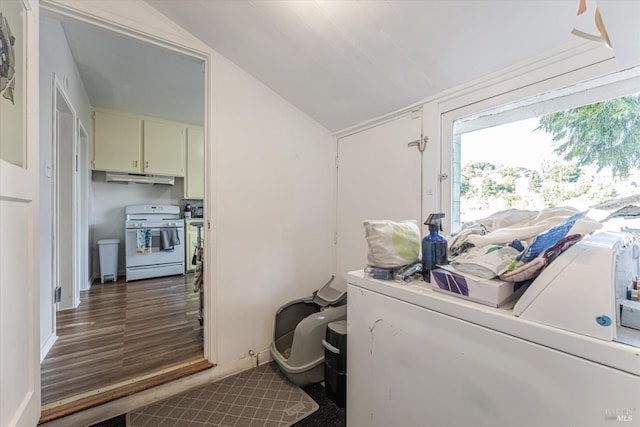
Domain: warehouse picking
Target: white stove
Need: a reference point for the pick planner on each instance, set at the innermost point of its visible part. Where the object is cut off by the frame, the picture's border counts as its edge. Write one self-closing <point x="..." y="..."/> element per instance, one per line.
<point x="154" y="240"/>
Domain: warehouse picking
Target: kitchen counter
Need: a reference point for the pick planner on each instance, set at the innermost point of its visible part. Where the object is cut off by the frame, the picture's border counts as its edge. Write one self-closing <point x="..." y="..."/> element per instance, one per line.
<point x="193" y="221"/>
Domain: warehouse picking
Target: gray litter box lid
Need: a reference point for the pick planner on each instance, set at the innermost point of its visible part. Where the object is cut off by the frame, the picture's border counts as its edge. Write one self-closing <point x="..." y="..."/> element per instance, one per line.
<point x="327" y="295"/>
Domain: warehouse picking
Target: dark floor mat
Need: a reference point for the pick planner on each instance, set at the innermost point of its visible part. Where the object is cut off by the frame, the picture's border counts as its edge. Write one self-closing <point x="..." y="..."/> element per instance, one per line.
<point x="119" y="421"/>
<point x="328" y="413"/>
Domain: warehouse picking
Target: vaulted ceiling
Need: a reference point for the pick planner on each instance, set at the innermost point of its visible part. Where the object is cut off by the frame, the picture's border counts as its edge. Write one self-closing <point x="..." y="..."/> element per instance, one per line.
<point x="341" y="62"/>
<point x="344" y="62"/>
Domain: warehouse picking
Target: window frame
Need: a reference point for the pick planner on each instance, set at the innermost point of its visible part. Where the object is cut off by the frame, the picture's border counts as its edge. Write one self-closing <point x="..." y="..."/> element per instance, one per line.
<point x="592" y="83"/>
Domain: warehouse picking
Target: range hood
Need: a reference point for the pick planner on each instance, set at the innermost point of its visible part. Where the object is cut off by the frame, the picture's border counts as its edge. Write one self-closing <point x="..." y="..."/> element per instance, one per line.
<point x="140" y="179"/>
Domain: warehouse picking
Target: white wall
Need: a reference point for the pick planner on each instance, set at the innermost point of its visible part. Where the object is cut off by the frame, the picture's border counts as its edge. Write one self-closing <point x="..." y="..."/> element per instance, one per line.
<point x="109" y="200"/>
<point x="274" y="210"/>
<point x="55" y="57"/>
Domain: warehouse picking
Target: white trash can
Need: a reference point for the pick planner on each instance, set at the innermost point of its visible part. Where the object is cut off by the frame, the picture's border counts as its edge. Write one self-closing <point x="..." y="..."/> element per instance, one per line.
<point x="108" y="251"/>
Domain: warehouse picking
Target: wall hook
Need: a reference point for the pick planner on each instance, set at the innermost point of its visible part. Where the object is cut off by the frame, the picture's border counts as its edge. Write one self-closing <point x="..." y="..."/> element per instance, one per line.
<point x="420" y="143"/>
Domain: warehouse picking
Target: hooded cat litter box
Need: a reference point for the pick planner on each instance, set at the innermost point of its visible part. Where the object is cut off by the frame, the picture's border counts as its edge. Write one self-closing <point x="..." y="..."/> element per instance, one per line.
<point x="299" y="330"/>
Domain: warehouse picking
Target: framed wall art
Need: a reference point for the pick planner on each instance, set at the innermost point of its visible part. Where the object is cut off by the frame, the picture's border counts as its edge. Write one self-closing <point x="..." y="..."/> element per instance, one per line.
<point x="12" y="81"/>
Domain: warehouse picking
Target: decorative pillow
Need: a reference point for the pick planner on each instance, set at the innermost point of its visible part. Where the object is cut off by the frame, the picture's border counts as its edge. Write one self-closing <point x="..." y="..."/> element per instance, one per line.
<point x="392" y="244"/>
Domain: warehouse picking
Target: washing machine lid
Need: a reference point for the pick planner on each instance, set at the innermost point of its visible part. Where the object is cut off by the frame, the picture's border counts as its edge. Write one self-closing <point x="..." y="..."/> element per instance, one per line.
<point x="327" y="295"/>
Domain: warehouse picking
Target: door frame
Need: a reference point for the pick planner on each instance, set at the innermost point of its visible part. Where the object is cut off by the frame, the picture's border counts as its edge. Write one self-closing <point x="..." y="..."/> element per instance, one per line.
<point x="70" y="288"/>
<point x="81" y="207"/>
<point x="167" y="37"/>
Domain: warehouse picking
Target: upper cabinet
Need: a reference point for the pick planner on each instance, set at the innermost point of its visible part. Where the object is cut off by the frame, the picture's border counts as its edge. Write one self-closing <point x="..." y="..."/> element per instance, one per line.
<point x="117" y="142"/>
<point x="135" y="144"/>
<point x="194" y="181"/>
<point x="164" y="148"/>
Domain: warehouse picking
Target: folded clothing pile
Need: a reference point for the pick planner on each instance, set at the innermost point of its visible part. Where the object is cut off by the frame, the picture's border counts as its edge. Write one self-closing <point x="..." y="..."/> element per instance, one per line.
<point x="517" y="245"/>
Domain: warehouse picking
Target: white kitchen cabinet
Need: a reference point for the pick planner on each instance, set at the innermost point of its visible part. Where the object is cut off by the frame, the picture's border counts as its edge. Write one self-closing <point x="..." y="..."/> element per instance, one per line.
<point x="194" y="181"/>
<point x="191" y="241"/>
<point x="164" y="148"/>
<point x="117" y="142"/>
<point x="136" y="144"/>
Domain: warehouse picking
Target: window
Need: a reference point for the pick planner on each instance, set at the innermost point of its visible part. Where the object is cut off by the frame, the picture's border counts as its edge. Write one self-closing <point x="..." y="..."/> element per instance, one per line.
<point x="505" y="157"/>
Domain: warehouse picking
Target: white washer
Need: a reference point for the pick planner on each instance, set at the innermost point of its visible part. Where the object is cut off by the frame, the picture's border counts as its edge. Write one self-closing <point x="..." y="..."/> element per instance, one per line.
<point x="416" y="357"/>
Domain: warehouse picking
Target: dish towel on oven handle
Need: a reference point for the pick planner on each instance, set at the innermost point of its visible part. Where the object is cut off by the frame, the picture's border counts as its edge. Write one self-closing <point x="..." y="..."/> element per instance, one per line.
<point x="169" y="239"/>
<point x="143" y="241"/>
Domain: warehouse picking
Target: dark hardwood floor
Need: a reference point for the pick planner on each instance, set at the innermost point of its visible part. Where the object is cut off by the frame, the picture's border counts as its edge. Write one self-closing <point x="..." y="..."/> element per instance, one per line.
<point x="122" y="331"/>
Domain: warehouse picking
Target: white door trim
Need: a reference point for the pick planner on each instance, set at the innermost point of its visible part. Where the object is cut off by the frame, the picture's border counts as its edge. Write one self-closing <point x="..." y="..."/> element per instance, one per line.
<point x="83" y="180"/>
<point x="65" y="250"/>
<point x="119" y="20"/>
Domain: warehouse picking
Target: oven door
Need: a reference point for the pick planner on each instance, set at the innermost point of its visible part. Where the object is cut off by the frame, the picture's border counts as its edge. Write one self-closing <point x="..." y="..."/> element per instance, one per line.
<point x="157" y="256"/>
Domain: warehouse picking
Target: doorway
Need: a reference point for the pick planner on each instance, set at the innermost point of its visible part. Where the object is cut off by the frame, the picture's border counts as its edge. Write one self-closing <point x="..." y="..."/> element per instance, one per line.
<point x="81" y="202"/>
<point x="93" y="216"/>
<point x="64" y="271"/>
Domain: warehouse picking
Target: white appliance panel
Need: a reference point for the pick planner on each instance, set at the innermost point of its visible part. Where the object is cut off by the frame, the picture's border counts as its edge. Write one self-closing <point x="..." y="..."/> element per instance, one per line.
<point x="411" y="366"/>
<point x="618" y="356"/>
<point x="578" y="289"/>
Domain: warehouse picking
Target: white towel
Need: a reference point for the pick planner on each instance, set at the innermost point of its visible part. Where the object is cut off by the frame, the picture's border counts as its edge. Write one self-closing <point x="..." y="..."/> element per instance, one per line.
<point x="143" y="241"/>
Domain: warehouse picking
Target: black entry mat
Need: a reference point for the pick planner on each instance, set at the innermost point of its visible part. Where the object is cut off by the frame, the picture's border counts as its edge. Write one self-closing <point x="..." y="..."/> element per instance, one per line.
<point x="119" y="421"/>
<point x="328" y="414"/>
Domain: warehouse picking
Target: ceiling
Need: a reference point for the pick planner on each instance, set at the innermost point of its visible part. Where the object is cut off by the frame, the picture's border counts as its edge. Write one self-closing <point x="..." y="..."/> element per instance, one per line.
<point x="128" y="75"/>
<point x="341" y="62"/>
<point x="344" y="62"/>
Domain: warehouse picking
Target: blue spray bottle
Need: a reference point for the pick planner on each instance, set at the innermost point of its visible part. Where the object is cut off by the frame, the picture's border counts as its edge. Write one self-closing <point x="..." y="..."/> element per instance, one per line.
<point x="434" y="246"/>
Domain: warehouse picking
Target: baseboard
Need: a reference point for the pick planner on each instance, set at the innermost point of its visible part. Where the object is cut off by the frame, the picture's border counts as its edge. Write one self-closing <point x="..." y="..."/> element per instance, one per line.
<point x="87" y="285"/>
<point x="92" y="280"/>
<point x="264" y="357"/>
<point x="46" y="347"/>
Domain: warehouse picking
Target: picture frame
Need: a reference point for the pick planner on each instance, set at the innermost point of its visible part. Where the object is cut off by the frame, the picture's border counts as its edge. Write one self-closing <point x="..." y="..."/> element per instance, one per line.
<point x="13" y="94"/>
